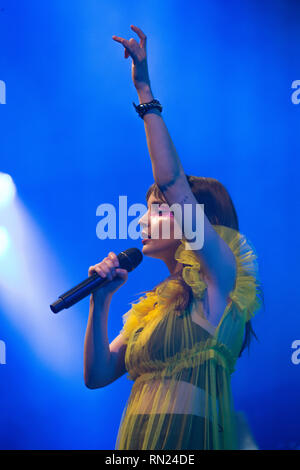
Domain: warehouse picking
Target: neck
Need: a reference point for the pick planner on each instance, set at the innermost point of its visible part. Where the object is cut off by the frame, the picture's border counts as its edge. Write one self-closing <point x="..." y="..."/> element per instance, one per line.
<point x="173" y="266"/>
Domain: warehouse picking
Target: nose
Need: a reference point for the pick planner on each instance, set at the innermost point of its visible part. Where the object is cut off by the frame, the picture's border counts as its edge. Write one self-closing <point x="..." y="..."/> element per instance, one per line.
<point x="143" y="221"/>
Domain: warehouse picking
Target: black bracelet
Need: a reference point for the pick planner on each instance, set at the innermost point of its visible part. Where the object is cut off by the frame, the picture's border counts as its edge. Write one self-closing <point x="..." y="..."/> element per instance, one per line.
<point x="143" y="108"/>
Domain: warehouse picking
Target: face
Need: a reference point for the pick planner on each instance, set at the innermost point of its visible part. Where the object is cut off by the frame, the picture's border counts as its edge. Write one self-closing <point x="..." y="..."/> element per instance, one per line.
<point x="154" y="224"/>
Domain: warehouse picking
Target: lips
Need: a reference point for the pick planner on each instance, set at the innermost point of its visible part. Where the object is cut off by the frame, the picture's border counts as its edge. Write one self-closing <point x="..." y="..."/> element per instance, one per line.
<point x="146" y="236"/>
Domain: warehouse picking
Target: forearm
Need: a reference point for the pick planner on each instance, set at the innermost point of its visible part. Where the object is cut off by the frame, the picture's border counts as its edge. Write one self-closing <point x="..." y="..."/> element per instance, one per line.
<point x="166" y="164"/>
<point x="96" y="345"/>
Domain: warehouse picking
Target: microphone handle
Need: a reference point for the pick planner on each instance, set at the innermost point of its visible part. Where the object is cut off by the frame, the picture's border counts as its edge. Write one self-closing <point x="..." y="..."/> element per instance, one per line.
<point x="78" y="292"/>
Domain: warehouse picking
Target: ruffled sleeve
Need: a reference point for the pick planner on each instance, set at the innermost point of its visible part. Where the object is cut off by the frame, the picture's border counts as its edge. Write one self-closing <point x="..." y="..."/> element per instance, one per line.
<point x="192" y="270"/>
<point x="247" y="292"/>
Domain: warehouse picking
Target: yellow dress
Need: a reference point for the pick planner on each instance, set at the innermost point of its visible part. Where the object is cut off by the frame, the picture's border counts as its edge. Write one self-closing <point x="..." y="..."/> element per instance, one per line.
<point x="181" y="396"/>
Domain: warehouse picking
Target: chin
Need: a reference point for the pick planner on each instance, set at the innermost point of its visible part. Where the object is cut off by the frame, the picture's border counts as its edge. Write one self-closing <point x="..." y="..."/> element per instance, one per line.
<point x="155" y="250"/>
<point x="147" y="249"/>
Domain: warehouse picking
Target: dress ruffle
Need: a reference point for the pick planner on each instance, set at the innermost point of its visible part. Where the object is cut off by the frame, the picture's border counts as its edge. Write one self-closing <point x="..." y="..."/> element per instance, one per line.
<point x="140" y="314"/>
<point x="191" y="272"/>
<point x="246" y="294"/>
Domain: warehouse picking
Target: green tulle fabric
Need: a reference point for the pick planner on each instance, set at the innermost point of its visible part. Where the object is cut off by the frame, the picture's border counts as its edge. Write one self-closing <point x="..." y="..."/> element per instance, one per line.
<point x="181" y="396"/>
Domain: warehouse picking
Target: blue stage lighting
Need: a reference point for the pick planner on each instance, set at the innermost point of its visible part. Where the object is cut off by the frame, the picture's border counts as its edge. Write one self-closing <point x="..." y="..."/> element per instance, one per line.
<point x="4" y="241"/>
<point x="7" y="189"/>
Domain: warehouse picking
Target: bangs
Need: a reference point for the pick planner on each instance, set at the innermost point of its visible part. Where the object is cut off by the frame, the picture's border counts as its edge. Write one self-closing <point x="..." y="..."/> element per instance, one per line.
<point x="154" y="189"/>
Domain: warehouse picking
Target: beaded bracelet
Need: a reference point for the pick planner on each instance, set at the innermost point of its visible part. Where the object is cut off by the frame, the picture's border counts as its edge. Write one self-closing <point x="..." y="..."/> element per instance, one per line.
<point x="143" y="108"/>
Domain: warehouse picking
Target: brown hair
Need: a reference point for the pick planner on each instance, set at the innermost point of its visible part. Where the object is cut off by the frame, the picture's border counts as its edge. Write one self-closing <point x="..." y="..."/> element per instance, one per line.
<point x="220" y="210"/>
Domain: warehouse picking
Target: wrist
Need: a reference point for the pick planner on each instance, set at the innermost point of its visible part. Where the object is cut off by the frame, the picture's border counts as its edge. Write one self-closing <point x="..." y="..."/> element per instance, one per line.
<point x="100" y="297"/>
<point x="145" y="94"/>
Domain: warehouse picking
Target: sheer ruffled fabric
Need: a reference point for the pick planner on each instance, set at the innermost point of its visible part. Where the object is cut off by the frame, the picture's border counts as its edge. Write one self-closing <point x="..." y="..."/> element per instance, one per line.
<point x="181" y="364"/>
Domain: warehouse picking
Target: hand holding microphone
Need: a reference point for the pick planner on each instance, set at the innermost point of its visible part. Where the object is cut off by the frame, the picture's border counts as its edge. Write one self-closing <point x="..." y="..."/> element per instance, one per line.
<point x="109" y="275"/>
<point x="109" y="268"/>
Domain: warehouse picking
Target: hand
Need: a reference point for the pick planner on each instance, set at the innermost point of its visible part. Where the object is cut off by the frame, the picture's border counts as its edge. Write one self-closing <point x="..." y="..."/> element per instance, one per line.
<point x="137" y="52"/>
<point x="108" y="268"/>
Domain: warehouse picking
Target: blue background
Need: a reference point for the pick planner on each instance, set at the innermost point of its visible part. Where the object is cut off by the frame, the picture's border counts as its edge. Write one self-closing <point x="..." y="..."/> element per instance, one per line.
<point x="71" y="140"/>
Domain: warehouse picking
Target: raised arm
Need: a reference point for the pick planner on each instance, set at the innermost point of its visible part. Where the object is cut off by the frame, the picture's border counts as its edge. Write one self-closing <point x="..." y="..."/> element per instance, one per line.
<point x="168" y="171"/>
<point x="170" y="177"/>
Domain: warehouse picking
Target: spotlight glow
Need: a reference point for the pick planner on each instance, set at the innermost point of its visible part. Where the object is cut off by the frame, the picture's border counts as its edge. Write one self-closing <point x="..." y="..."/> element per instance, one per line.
<point x="7" y="189"/>
<point x="4" y="241"/>
<point x="29" y="280"/>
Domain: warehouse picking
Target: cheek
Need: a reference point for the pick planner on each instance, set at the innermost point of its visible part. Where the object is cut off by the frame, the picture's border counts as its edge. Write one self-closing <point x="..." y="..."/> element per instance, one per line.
<point x="175" y="230"/>
<point x="154" y="225"/>
<point x="166" y="224"/>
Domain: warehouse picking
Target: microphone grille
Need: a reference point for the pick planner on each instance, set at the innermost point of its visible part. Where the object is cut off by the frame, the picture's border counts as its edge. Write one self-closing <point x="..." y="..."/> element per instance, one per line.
<point x="129" y="259"/>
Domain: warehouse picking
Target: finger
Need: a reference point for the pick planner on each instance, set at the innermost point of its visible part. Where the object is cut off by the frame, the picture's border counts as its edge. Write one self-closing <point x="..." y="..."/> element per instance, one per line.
<point x="99" y="271"/>
<point x="91" y="270"/>
<point x="96" y="269"/>
<point x="109" y="263"/>
<point x="128" y="46"/>
<point x="121" y="40"/>
<point x="114" y="258"/>
<point x="106" y="271"/>
<point x="117" y="38"/>
<point x="140" y="34"/>
<point x="109" y="267"/>
<point x="122" y="273"/>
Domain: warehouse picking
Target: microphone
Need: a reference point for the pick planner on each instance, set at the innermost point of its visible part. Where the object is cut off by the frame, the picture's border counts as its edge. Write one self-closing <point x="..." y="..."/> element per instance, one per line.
<point x="128" y="259"/>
